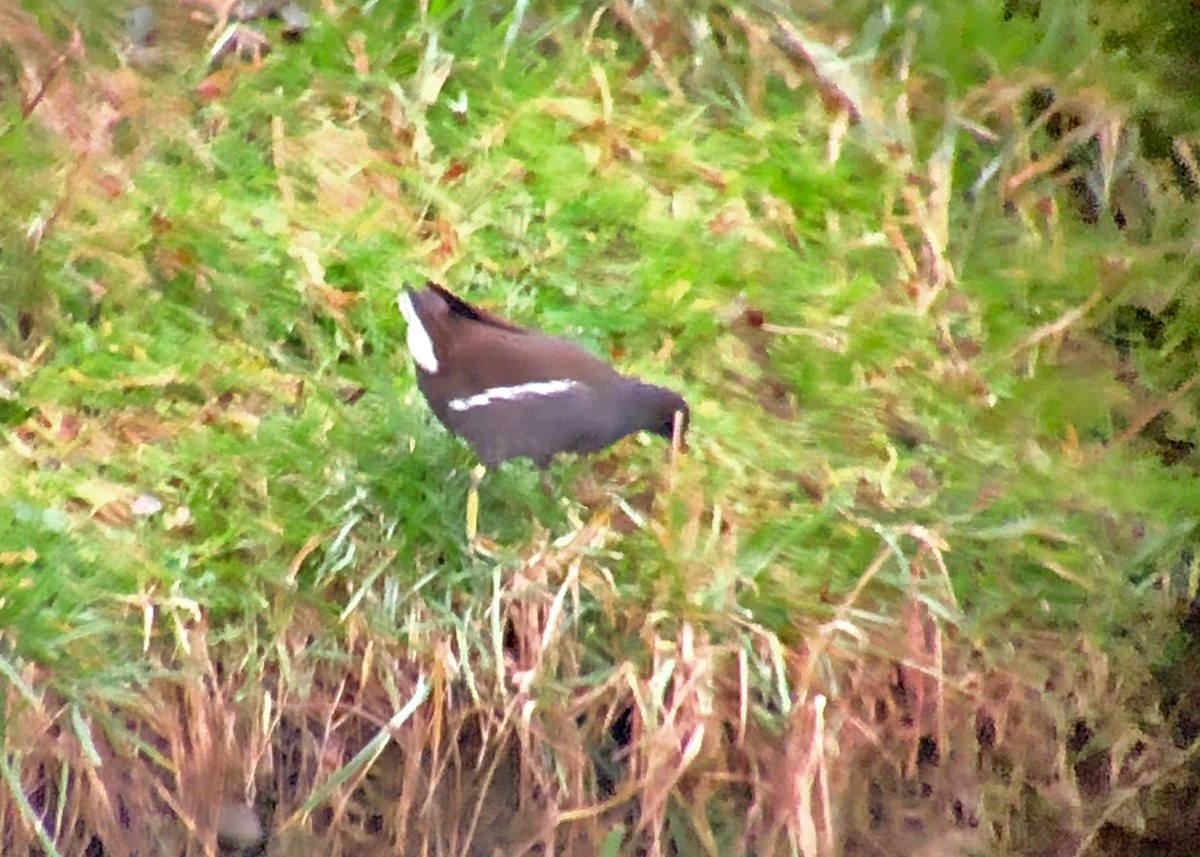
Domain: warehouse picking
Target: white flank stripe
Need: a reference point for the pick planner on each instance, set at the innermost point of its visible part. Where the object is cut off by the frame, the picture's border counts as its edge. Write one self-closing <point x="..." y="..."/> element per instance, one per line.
<point x="513" y="393"/>
<point x="419" y="342"/>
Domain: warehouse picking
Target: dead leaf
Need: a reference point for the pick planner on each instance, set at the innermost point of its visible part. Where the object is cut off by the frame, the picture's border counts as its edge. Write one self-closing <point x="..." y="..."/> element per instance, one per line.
<point x="115" y="514"/>
<point x="456" y="170"/>
<point x="243" y="420"/>
<point x="357" y="44"/>
<point x="1070" y="445"/>
<point x="142" y="427"/>
<point x="577" y="110"/>
<point x="161" y="378"/>
<point x="447" y="240"/>
<point x="112" y="186"/>
<point x="245" y="42"/>
<point x="217" y="85"/>
<point x="97" y="492"/>
<point x="336" y="299"/>
<point x="21" y="557"/>
<point x="178" y="519"/>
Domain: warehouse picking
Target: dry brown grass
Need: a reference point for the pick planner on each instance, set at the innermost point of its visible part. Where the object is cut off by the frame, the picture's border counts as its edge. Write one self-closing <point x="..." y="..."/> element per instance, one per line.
<point x="908" y="740"/>
<point x="877" y="727"/>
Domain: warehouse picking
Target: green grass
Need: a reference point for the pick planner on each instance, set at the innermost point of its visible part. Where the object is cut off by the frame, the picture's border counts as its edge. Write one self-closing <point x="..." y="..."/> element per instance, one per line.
<point x="208" y="317"/>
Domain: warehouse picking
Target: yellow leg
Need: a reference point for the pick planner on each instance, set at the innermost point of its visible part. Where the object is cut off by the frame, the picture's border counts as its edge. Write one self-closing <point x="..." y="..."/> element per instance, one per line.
<point x="477" y="473"/>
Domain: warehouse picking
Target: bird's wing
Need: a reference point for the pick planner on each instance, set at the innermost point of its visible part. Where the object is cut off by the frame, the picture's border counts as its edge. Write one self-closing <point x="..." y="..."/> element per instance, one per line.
<point x="534" y="426"/>
<point x="510" y="358"/>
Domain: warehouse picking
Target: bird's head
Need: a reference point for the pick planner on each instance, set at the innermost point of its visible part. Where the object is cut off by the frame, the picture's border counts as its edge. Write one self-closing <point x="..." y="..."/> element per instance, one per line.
<point x="660" y="408"/>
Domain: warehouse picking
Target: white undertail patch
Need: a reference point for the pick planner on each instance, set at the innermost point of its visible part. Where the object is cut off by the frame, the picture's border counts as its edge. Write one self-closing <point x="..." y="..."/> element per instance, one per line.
<point x="419" y="342"/>
<point x="533" y="389"/>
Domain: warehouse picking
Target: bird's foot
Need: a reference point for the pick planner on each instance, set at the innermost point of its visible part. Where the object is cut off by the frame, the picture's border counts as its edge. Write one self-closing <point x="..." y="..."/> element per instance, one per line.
<point x="477" y="474"/>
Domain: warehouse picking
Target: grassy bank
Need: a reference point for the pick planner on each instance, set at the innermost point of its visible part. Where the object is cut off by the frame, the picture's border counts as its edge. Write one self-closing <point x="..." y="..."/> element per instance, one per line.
<point x="928" y="305"/>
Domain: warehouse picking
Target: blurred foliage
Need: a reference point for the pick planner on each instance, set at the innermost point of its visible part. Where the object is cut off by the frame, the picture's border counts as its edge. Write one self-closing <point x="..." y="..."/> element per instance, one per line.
<point x="923" y="272"/>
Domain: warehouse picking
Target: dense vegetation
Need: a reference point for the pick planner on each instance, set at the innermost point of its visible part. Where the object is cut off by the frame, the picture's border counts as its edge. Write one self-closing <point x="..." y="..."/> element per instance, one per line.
<point x="924" y="273"/>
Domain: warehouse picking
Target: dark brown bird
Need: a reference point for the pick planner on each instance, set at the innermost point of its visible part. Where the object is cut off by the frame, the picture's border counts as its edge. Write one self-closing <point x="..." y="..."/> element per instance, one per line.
<point x="512" y="392"/>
